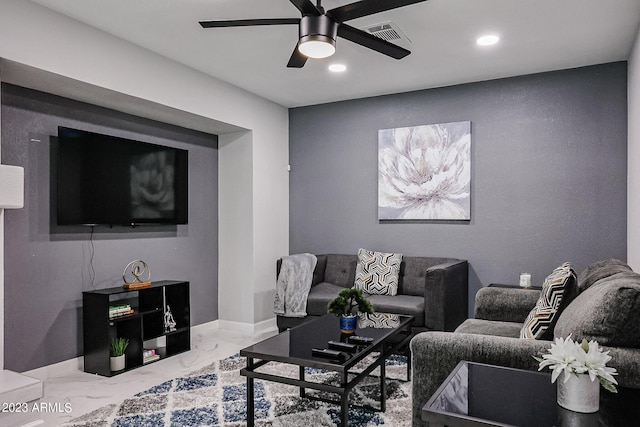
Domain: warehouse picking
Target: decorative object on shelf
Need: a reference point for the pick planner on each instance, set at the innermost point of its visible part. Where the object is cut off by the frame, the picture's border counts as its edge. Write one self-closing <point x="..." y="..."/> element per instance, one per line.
<point x="582" y="363"/>
<point x="149" y="355"/>
<point x="169" y="322"/>
<point x="343" y="306"/>
<point x="116" y="353"/>
<point x="525" y="280"/>
<point x="424" y="172"/>
<point x="132" y="275"/>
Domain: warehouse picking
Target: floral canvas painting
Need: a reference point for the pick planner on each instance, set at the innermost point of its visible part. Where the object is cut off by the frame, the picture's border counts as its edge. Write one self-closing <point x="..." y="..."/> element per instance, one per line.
<point x="424" y="172"/>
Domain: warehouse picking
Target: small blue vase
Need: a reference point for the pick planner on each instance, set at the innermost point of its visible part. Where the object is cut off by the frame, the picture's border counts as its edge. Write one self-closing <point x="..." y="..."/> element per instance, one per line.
<point x="348" y="324"/>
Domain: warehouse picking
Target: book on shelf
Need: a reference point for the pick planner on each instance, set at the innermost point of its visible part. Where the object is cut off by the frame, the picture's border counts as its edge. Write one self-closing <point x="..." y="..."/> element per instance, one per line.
<point x="150" y="358"/>
<point x="149" y="352"/>
<point x="120" y="310"/>
<point x="120" y="314"/>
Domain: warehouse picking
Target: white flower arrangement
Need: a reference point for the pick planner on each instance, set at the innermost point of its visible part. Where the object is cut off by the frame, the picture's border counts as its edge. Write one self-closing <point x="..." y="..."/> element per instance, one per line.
<point x="571" y="357"/>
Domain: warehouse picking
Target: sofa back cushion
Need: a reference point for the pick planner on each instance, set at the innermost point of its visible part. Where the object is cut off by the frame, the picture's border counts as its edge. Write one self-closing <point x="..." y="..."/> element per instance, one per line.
<point x="600" y="270"/>
<point x="341" y="270"/>
<point x="413" y="272"/>
<point x="318" y="273"/>
<point x="608" y="311"/>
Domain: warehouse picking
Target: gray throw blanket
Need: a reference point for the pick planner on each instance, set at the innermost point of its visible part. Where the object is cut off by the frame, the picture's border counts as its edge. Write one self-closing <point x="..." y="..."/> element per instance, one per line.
<point x="293" y="285"/>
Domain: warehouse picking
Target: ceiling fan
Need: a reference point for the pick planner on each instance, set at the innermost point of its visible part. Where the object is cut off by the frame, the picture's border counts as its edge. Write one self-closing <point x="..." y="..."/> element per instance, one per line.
<point x="318" y="29"/>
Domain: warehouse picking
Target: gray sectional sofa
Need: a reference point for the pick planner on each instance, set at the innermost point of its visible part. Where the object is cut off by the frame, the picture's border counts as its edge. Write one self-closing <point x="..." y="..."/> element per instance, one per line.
<point x="434" y="290"/>
<point x="606" y="309"/>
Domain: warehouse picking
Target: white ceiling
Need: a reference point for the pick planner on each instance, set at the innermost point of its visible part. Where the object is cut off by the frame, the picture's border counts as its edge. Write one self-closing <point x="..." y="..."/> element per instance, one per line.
<point x="536" y="35"/>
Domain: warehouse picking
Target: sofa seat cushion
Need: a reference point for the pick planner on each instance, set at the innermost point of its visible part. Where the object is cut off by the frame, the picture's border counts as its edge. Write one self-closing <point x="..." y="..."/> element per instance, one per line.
<point x="320" y="296"/>
<point x="490" y="327"/>
<point x="608" y="312"/>
<point x="400" y="304"/>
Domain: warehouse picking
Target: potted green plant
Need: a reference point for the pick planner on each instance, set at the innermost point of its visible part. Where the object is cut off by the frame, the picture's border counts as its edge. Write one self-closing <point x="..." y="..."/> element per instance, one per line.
<point x="344" y="306"/>
<point x="116" y="351"/>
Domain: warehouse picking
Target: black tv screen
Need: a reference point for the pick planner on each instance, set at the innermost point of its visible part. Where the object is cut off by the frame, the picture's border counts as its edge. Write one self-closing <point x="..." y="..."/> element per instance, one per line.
<point x="104" y="179"/>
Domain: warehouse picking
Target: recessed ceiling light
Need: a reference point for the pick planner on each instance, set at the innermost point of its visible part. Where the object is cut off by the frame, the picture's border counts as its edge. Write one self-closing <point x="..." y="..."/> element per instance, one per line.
<point x="337" y="68"/>
<point x="488" y="40"/>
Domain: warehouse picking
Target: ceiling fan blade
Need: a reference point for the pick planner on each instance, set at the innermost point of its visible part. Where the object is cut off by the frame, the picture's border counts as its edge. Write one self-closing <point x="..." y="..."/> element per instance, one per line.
<point x="372" y="42"/>
<point x="306" y="7"/>
<point x="366" y="7"/>
<point x="249" y="22"/>
<point x="297" y="59"/>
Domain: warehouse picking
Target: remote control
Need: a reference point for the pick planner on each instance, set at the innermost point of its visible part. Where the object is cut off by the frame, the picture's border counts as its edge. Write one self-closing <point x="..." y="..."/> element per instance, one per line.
<point x="328" y="354"/>
<point x="360" y="340"/>
<point x="342" y="346"/>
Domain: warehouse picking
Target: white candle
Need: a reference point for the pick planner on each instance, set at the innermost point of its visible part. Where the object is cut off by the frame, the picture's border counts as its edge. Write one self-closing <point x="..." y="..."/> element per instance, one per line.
<point x="525" y="280"/>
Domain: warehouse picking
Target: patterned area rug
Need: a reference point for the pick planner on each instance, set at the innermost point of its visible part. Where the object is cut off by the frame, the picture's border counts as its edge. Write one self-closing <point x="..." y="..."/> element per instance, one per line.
<point x="216" y="396"/>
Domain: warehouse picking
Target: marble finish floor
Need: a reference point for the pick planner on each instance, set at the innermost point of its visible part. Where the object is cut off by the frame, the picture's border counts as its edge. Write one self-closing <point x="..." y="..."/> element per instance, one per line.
<point x="74" y="393"/>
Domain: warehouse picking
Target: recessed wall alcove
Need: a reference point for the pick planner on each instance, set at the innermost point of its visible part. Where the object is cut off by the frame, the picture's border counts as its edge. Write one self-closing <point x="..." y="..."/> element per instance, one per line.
<point x="45" y="340"/>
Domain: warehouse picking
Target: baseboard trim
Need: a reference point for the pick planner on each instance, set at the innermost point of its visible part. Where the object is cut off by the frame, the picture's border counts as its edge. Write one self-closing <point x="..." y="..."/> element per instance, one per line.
<point x="59" y="369"/>
<point x="263" y="326"/>
<point x="214" y="325"/>
<point x="266" y="325"/>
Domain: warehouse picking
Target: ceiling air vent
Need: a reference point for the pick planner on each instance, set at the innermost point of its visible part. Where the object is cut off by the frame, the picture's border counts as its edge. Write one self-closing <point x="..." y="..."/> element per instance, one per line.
<point x="390" y="32"/>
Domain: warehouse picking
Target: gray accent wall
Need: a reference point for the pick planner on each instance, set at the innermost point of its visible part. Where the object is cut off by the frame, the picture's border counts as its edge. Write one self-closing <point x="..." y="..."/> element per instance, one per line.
<point x="549" y="167"/>
<point x="47" y="267"/>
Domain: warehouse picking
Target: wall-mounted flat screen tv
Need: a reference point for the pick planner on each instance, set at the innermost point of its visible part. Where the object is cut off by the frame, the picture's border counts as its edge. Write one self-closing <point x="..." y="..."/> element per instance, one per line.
<point x="109" y="180"/>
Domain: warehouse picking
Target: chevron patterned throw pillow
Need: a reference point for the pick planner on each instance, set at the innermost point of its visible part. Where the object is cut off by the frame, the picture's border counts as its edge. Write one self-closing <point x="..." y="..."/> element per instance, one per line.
<point x="556" y="287"/>
<point x="377" y="273"/>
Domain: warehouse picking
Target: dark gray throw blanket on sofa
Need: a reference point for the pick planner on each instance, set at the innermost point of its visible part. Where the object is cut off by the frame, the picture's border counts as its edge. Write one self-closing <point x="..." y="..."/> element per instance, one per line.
<point x="293" y="285"/>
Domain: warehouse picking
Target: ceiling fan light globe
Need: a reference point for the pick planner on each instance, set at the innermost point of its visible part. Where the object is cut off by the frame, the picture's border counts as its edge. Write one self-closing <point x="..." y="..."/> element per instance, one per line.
<point x="317" y="46"/>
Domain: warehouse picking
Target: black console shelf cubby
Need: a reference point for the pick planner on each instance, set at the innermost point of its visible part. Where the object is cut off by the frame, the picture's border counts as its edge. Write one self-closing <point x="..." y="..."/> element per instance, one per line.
<point x="144" y="328"/>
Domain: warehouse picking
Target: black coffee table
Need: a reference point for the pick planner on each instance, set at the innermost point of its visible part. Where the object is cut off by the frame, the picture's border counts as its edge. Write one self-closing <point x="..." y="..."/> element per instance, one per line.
<point x="295" y="345"/>
<point x="476" y="394"/>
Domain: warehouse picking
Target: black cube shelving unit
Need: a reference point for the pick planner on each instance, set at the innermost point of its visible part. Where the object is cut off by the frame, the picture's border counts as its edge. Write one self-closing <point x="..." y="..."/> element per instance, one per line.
<point x="144" y="324"/>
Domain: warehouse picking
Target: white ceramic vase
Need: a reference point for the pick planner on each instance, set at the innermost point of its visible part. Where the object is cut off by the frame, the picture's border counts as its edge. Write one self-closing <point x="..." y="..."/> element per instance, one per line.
<point x="117" y="363"/>
<point x="579" y="393"/>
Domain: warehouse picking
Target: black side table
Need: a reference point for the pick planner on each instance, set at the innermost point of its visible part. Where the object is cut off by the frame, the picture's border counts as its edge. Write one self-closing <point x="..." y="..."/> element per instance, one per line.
<point x="476" y="394"/>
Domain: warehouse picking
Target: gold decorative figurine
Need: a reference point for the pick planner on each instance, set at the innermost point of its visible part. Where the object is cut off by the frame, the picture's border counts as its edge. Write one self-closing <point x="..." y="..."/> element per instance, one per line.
<point x="137" y="269"/>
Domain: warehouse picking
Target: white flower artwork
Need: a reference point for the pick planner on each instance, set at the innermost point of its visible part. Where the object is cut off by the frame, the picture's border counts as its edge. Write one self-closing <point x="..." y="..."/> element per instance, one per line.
<point x="424" y="172"/>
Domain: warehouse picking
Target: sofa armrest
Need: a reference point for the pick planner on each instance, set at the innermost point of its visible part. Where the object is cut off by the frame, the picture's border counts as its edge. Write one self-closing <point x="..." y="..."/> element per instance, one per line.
<point x="627" y="363"/>
<point x="446" y="295"/>
<point x="505" y="304"/>
<point x="435" y="354"/>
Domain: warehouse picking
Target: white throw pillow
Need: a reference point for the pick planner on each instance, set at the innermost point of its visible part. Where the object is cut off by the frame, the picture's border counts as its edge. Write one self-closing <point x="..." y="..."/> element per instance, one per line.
<point x="377" y="273"/>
